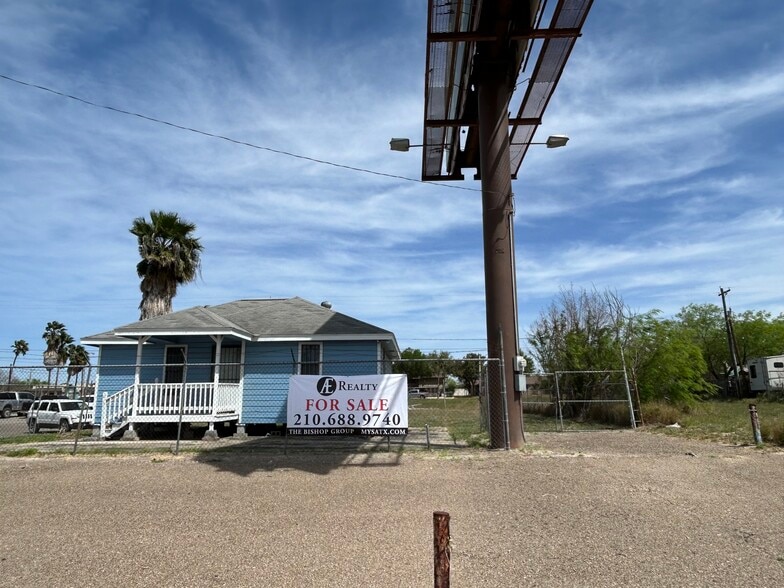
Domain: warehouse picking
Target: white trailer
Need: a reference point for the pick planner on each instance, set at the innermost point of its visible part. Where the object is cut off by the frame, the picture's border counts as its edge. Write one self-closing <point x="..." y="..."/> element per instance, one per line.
<point x="766" y="374"/>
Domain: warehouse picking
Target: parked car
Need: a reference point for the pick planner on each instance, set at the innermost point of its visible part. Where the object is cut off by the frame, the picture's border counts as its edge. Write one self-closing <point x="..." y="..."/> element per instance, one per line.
<point x="62" y="414"/>
<point x="15" y="402"/>
<point x="416" y="393"/>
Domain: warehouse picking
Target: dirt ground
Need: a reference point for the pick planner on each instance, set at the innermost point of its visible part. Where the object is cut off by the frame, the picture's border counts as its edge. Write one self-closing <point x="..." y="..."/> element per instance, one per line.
<point x="574" y="509"/>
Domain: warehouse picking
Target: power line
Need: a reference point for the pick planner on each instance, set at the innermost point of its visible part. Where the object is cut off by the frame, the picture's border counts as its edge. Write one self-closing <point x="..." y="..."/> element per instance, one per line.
<point x="235" y="141"/>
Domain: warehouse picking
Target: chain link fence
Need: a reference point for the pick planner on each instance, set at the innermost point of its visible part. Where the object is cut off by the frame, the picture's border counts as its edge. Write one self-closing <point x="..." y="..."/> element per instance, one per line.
<point x="578" y="400"/>
<point x="200" y="406"/>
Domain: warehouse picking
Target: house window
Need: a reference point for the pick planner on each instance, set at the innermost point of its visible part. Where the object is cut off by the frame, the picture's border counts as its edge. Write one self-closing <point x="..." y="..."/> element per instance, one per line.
<point x="310" y="359"/>
<point x="753" y="371"/>
<point x="230" y="364"/>
<point x="175" y="362"/>
<point x="778" y="364"/>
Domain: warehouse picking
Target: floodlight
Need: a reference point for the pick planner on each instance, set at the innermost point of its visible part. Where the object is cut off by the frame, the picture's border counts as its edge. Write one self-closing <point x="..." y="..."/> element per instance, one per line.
<point x="555" y="141"/>
<point x="399" y="144"/>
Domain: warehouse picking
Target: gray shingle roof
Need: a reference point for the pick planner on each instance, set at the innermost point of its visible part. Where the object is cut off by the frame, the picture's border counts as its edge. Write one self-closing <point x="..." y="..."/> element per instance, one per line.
<point x="254" y="320"/>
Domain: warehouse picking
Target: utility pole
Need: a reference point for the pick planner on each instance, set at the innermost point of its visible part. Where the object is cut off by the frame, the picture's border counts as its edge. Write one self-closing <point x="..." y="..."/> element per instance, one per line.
<point x="730" y="341"/>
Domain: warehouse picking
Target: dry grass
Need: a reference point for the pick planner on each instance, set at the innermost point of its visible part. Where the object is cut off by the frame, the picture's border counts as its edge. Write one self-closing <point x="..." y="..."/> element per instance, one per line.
<point x="719" y="420"/>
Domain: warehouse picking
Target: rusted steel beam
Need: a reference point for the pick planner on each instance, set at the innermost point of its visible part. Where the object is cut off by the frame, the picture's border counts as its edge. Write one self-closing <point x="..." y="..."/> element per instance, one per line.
<point x="474" y="122"/>
<point x="441" y="549"/>
<point x="475" y="37"/>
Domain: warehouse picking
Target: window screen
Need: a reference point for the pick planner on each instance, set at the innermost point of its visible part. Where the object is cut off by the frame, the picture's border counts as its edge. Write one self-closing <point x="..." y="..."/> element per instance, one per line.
<point x="230" y="364"/>
<point x="310" y="359"/>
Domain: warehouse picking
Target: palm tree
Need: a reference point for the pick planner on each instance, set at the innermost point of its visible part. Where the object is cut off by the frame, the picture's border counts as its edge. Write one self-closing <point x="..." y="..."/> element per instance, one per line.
<point x="20" y="347"/>
<point x="171" y="256"/>
<point x="57" y="342"/>
<point x="78" y="358"/>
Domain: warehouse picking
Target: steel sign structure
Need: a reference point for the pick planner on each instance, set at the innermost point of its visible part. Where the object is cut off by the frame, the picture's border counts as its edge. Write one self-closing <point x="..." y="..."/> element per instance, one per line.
<point x="476" y="51"/>
<point x="460" y="30"/>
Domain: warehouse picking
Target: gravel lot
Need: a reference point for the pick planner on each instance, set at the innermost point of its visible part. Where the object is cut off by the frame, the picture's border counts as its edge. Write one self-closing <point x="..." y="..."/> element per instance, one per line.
<point x="575" y="509"/>
<point x="13" y="426"/>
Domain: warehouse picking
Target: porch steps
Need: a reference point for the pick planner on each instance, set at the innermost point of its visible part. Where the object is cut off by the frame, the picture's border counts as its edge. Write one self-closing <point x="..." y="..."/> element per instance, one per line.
<point x="114" y="428"/>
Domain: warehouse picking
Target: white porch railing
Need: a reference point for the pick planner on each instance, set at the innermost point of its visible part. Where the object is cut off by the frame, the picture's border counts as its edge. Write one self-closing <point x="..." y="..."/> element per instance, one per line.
<point x="144" y="402"/>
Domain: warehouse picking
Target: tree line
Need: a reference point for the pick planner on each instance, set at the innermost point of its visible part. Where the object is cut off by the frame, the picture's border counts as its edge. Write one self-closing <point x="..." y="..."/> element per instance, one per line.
<point x="679" y="359"/>
<point x="448" y="371"/>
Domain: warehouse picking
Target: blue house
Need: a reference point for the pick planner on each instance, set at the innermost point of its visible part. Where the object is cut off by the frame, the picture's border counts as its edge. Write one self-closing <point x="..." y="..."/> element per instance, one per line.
<point x="227" y="364"/>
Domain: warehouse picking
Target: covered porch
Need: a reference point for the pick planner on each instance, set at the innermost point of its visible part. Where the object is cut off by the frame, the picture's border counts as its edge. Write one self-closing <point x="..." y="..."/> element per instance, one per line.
<point x="202" y="402"/>
<point x="213" y="396"/>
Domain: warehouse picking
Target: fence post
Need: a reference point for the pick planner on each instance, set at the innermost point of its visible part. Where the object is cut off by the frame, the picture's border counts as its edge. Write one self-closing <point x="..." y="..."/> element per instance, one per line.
<point x="755" y="427"/>
<point x="628" y="391"/>
<point x="504" y="403"/>
<point x="484" y="395"/>
<point x="182" y="403"/>
<point x="558" y="412"/>
<point x="441" y="562"/>
<point x="104" y="412"/>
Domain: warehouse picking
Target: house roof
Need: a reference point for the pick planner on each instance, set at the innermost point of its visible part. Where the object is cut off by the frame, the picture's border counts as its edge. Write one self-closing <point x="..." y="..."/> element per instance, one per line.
<point x="289" y="319"/>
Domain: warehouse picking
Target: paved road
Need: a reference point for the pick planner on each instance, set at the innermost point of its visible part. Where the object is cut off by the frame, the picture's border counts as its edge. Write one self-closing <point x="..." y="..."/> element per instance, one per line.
<point x="577" y="509"/>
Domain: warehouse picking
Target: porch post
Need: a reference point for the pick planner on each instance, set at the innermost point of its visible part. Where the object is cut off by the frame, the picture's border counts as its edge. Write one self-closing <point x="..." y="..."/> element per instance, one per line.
<point x="241" y="434"/>
<point x="216" y="376"/>
<point x="211" y="434"/>
<point x="137" y="376"/>
<point x="130" y="434"/>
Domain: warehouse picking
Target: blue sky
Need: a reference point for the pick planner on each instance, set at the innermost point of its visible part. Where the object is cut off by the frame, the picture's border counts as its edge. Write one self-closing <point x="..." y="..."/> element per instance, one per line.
<point x="670" y="187"/>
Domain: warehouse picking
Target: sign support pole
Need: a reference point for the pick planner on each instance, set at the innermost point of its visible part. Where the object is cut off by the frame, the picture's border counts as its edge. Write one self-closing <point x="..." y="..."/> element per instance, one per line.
<point x="494" y="91"/>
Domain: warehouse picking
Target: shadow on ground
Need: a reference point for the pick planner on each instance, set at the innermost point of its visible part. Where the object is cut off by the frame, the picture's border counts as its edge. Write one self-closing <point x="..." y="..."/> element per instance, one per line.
<point x="249" y="454"/>
<point x="317" y="455"/>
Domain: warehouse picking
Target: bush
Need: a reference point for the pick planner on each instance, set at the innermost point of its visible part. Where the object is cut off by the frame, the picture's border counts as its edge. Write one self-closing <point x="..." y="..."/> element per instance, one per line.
<point x="543" y="408"/>
<point x="611" y="414"/>
<point x="773" y="433"/>
<point x="660" y="413"/>
<point x="774" y="395"/>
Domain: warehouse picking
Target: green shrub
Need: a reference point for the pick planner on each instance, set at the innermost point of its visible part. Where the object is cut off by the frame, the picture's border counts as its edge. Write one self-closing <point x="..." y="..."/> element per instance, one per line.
<point x="773" y="433"/>
<point x="660" y="413"/>
<point x="541" y="408"/>
<point x="24" y="452"/>
<point x="611" y="414"/>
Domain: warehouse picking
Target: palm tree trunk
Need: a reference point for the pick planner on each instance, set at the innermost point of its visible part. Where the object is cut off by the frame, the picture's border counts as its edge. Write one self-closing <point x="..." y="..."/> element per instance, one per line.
<point x="11" y="374"/>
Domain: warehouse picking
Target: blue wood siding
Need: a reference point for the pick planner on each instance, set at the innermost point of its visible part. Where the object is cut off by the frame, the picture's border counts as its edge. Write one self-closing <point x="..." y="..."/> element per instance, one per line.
<point x="265" y="375"/>
<point x="152" y="364"/>
<point x="269" y="365"/>
<point x="265" y="385"/>
<point x="350" y="358"/>
<point x="116" y="371"/>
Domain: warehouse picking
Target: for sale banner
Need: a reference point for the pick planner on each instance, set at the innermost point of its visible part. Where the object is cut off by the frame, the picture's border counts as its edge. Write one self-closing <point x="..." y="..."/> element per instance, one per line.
<point x="348" y="405"/>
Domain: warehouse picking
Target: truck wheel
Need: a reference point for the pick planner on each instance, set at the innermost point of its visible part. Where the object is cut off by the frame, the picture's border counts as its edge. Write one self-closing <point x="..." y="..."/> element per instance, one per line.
<point x="32" y="426"/>
<point x="65" y="426"/>
<point x="6" y="412"/>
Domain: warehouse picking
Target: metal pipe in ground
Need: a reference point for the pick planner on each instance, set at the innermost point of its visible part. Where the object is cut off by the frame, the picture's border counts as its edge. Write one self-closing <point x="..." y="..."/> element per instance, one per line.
<point x="441" y="549"/>
<point x="755" y="427"/>
<point x="504" y="400"/>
